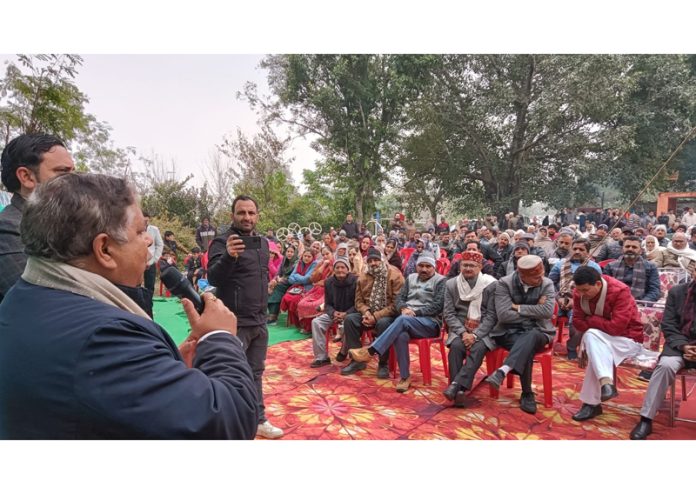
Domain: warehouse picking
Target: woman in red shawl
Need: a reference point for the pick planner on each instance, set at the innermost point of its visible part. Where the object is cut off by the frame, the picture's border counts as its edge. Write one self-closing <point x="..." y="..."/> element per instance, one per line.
<point x="300" y="283"/>
<point x="365" y="244"/>
<point x="275" y="259"/>
<point x="308" y="307"/>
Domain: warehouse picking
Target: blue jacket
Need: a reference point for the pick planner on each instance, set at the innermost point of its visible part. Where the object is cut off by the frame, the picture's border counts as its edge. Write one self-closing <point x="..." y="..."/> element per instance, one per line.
<point x="81" y="369"/>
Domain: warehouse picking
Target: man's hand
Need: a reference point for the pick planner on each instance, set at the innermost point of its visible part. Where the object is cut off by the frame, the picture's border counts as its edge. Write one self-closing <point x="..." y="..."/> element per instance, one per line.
<point x="215" y="317"/>
<point x="234" y="245"/>
<point x="542" y="300"/>
<point x="468" y="339"/>
<point x="406" y="311"/>
<point x="369" y="320"/>
<point x="689" y="352"/>
<point x="339" y="316"/>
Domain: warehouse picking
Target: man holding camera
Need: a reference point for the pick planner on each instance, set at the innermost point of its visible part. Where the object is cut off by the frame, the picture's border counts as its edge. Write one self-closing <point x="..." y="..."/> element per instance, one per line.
<point x="238" y="268"/>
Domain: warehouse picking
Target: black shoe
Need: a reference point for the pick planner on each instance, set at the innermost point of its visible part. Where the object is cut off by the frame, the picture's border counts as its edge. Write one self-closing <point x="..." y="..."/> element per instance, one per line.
<point x="587" y="412"/>
<point x="383" y="371"/>
<point x="340" y="357"/>
<point x="451" y="391"/>
<point x="609" y="392"/>
<point x="353" y="367"/>
<point x="460" y="400"/>
<point x="642" y="430"/>
<point x="572" y="355"/>
<point x="320" y="363"/>
<point x="645" y="375"/>
<point x="496" y="379"/>
<point x="528" y="403"/>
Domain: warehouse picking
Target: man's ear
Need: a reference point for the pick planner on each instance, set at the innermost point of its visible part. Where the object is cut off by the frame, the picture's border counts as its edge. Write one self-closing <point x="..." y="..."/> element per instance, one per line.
<point x="27" y="178"/>
<point x="100" y="250"/>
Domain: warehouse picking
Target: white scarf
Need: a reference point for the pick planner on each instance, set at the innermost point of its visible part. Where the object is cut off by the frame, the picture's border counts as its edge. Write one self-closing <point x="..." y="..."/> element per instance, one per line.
<point x="685" y="256"/>
<point x="473" y="295"/>
<point x="599" y="309"/>
<point x="62" y="276"/>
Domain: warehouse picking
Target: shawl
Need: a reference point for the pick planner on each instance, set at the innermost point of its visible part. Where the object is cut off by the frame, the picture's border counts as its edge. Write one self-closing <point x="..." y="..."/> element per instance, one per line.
<point x="599" y="309"/>
<point x="473" y="295"/>
<point x="378" y="297"/>
<point x="638" y="281"/>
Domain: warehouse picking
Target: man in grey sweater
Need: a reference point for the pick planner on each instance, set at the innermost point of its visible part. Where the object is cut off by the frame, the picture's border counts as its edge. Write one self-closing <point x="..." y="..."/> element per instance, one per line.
<point x="524" y="304"/>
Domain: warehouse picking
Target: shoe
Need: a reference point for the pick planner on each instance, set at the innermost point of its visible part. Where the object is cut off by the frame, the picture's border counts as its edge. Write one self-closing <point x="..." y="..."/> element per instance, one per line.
<point x="337" y="338"/>
<point x="587" y="412"/>
<point x="645" y="375"/>
<point x="528" y="403"/>
<point x="572" y="355"/>
<point x="642" y="430"/>
<point x="496" y="379"/>
<point x="320" y="363"/>
<point x="382" y="372"/>
<point x="451" y="391"/>
<point x="353" y="367"/>
<point x="340" y="357"/>
<point x="360" y="354"/>
<point x="403" y="385"/>
<point x="270" y="320"/>
<point x="460" y="400"/>
<point x="269" y="431"/>
<point x="609" y="392"/>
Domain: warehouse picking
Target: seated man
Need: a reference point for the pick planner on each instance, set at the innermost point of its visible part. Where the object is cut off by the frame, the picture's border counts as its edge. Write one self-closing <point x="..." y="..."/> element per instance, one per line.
<point x="679" y="329"/>
<point x="467" y="298"/>
<point x="524" y="304"/>
<point x="473" y="246"/>
<point x="339" y="302"/>
<point x="606" y="313"/>
<point x="194" y="266"/>
<point x="678" y="254"/>
<point x="633" y="270"/>
<point x="375" y="302"/>
<point x="420" y="303"/>
<point x="562" y="277"/>
<point x="93" y="365"/>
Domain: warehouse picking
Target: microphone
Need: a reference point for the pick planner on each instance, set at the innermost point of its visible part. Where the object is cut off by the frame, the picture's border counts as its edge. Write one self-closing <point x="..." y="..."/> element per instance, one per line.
<point x="177" y="283"/>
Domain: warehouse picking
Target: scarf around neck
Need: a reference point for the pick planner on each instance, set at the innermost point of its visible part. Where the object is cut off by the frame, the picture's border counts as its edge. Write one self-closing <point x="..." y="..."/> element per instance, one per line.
<point x="63" y="276"/>
<point x="638" y="282"/>
<point x="472" y="295"/>
<point x="378" y="297"/>
<point x="599" y="308"/>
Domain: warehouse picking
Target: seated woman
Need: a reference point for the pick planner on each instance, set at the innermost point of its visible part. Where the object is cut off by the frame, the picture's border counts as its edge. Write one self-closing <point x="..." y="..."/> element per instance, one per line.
<point x="654" y="252"/>
<point x="356" y="261"/>
<point x="299" y="285"/>
<point x="275" y="259"/>
<point x="365" y="244"/>
<point x="309" y="306"/>
<point x="280" y="284"/>
<point x="392" y="255"/>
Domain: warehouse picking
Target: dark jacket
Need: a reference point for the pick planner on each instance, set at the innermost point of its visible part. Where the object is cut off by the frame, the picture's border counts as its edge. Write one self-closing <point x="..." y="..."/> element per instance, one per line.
<point x="242" y="283"/>
<point x="82" y="369"/>
<point x="339" y="295"/>
<point x="12" y="257"/>
<point x="204" y="236"/>
<point x="672" y="321"/>
<point x="651" y="290"/>
<point x="396" y="261"/>
<point x="351" y="229"/>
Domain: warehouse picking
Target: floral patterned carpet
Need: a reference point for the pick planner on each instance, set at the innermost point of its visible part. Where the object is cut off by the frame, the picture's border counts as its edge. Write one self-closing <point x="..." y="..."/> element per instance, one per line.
<point x="321" y="404"/>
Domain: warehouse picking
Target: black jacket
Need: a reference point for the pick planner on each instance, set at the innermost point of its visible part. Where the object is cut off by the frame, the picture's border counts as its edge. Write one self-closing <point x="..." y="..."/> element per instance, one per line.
<point x="339" y="296"/>
<point x="671" y="324"/>
<point x="242" y="283"/>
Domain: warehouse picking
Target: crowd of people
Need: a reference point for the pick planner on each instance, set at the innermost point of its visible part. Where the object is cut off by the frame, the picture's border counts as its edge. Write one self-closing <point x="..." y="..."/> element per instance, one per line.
<point x="94" y="364"/>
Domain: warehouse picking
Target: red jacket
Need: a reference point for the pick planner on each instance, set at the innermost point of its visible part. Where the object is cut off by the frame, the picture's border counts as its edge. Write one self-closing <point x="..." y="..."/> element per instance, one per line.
<point x="621" y="316"/>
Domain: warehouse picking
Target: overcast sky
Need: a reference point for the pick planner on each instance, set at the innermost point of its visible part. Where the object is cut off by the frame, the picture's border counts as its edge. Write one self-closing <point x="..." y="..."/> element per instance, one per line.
<point x="177" y="106"/>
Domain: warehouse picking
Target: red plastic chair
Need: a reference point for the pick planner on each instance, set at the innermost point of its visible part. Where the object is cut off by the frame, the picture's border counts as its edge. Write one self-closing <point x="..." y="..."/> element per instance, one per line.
<point x="423" y="345"/>
<point x="543" y="358"/>
<point x="605" y="262"/>
<point x="442" y="266"/>
<point x="406" y="254"/>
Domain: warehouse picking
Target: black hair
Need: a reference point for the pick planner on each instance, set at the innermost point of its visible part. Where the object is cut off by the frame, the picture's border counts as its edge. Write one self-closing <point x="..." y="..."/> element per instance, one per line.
<point x="243" y="197"/>
<point x="26" y="150"/>
<point x="168" y="232"/>
<point x="584" y="242"/>
<point x="586" y="275"/>
<point x="478" y="244"/>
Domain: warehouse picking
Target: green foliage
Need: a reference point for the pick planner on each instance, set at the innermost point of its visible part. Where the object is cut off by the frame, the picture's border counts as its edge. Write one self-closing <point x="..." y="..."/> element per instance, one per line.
<point x="184" y="235"/>
<point x="174" y="199"/>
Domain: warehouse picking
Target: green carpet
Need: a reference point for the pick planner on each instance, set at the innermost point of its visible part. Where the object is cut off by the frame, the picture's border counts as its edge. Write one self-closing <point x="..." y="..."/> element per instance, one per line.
<point x="170" y="315"/>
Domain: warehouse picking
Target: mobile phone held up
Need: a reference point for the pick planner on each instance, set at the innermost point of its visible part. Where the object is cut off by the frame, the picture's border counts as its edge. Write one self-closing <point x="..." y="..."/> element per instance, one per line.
<point x="251" y="242"/>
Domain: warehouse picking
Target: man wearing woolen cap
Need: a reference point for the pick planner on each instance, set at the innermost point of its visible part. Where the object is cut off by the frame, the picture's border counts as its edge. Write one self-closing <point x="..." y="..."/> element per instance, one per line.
<point x="524" y="304"/>
<point x="339" y="301"/>
<point x="420" y="303"/>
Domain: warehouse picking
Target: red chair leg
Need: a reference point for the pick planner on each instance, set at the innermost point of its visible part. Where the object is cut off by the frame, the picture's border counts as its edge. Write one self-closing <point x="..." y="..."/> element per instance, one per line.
<point x="424" y="357"/>
<point x="561" y="327"/>
<point x="510" y="383"/>
<point x="547" y="378"/>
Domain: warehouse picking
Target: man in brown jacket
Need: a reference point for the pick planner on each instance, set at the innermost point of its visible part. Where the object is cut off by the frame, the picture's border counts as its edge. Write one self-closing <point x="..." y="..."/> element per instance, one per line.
<point x="375" y="301"/>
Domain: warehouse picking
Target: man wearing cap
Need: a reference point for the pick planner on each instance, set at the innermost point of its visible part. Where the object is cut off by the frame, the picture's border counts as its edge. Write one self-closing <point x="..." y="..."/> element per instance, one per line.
<point x="420" y="303"/>
<point x="519" y="250"/>
<point x="467" y="298"/>
<point x="375" y="302"/>
<point x="339" y="302"/>
<point x="524" y="303"/>
<point x="605" y="312"/>
<point x="635" y="271"/>
<point x="536" y="251"/>
<point x="562" y="277"/>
